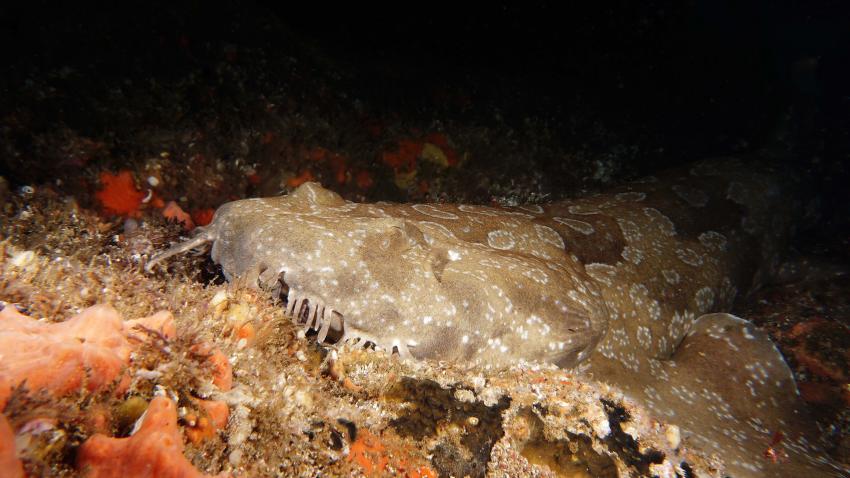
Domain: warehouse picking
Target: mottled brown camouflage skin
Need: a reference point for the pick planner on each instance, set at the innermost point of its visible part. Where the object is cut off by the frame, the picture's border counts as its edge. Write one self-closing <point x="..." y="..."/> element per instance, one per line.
<point x="629" y="286"/>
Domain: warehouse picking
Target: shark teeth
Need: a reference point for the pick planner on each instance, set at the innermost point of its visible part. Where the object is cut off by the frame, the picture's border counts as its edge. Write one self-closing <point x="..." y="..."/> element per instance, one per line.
<point x="357" y="338"/>
<point x="311" y="313"/>
<point x="326" y="314"/>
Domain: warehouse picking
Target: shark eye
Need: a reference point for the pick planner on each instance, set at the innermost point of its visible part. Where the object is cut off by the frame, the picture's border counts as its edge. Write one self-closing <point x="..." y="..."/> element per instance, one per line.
<point x="439" y="259"/>
<point x="394" y="240"/>
<point x="401" y="237"/>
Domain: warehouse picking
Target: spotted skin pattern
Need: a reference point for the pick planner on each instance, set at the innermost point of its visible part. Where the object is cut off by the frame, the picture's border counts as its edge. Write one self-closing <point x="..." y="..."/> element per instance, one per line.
<point x="628" y="286"/>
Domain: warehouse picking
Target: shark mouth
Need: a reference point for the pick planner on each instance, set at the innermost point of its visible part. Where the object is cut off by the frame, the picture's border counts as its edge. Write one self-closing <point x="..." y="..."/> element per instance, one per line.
<point x="313" y="314"/>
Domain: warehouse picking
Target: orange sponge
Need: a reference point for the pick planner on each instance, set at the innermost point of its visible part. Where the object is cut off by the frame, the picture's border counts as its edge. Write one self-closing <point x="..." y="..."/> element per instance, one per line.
<point x="222" y="371"/>
<point x="10" y="465"/>
<point x="155" y="450"/>
<point x="89" y="351"/>
<point x="214" y="418"/>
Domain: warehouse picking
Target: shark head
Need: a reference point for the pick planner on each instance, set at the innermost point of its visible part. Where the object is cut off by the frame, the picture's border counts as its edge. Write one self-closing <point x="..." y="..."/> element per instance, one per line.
<point x="432" y="281"/>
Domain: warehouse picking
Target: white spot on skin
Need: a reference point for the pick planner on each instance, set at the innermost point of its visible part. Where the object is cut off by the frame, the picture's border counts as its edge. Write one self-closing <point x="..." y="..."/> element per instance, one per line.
<point x="633" y="255"/>
<point x="689" y="257"/>
<point x="549" y="235"/>
<point x="433" y="211"/>
<point x="704" y="299"/>
<point x="631" y="231"/>
<point x="659" y="219"/>
<point x="654" y="310"/>
<point x="630" y="196"/>
<point x="671" y="276"/>
<point x="532" y="208"/>
<point x="501" y="239"/>
<point x="490" y="263"/>
<point x="713" y="240"/>
<point x="644" y="337"/>
<point x="477" y="210"/>
<point x="579" y="226"/>
<point x="638" y="294"/>
<point x="583" y="209"/>
<point x="454" y="255"/>
<point x="434" y="227"/>
<point x="493" y="212"/>
<point x="536" y="275"/>
<point x="604" y="273"/>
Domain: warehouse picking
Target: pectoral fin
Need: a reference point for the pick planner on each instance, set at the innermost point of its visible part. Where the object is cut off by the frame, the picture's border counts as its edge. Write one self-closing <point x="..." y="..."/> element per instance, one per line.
<point x="729" y="388"/>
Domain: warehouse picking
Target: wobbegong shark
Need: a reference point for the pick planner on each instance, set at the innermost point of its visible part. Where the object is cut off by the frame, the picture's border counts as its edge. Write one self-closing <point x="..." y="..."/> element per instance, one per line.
<point x="632" y="286"/>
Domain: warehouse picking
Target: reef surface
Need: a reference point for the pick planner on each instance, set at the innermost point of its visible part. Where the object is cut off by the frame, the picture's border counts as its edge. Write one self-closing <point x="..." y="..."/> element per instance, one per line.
<point x="123" y="129"/>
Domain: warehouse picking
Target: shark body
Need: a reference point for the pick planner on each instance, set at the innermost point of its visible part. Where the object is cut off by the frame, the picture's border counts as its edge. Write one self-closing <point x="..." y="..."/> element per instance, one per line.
<point x="630" y="286"/>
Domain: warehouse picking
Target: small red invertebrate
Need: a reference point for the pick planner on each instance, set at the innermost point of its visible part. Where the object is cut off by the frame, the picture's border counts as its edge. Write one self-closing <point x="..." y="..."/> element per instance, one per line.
<point x="119" y="195"/>
<point x="174" y="212"/>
